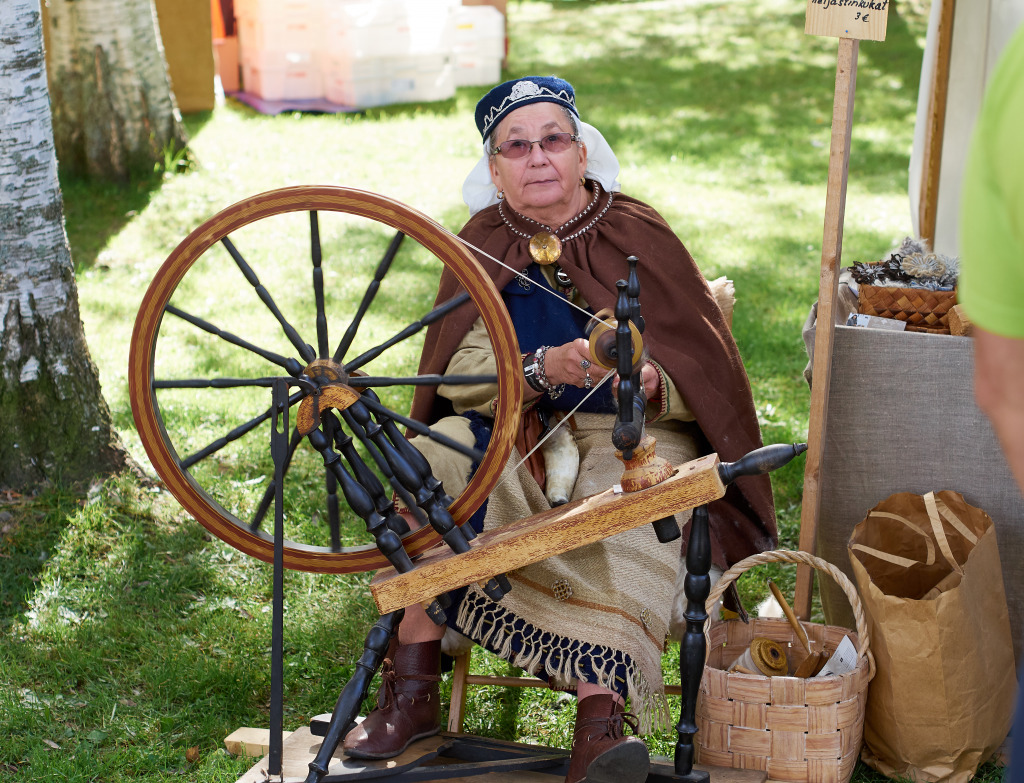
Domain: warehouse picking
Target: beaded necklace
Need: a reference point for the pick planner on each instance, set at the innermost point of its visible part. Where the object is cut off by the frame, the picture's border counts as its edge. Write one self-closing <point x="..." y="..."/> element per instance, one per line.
<point x="545" y="245"/>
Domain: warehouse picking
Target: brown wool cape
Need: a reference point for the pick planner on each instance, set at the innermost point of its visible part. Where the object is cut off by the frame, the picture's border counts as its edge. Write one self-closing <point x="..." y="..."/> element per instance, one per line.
<point x="685" y="333"/>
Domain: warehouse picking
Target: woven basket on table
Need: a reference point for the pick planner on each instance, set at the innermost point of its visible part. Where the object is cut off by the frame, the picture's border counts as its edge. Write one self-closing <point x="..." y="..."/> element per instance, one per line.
<point x="923" y="310"/>
<point x="805" y="730"/>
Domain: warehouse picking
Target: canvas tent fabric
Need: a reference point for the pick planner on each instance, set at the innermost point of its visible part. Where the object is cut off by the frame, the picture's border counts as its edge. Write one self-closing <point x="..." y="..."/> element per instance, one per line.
<point x="981" y="29"/>
<point x="902" y="418"/>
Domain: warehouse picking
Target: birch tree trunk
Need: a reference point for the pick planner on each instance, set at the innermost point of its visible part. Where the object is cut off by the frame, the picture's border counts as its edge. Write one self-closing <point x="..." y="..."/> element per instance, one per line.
<point x="114" y="112"/>
<point x="54" y="422"/>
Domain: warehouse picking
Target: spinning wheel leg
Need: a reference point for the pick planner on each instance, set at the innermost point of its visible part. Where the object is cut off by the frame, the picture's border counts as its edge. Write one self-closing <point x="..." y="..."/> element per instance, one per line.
<point x="355" y="691"/>
<point x="697" y="586"/>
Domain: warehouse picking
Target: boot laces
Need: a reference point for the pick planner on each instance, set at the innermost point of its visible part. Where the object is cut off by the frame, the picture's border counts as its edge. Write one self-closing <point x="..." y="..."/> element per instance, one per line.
<point x="612" y="727"/>
<point x="389" y="684"/>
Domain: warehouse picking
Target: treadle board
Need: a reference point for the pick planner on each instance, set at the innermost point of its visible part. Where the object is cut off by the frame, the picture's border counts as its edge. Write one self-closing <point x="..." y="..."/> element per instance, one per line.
<point x="549" y="533"/>
<point x="299" y="749"/>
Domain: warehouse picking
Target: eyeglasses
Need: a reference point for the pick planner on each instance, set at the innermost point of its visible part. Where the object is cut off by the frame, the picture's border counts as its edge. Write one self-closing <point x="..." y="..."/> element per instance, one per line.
<point x="518" y="148"/>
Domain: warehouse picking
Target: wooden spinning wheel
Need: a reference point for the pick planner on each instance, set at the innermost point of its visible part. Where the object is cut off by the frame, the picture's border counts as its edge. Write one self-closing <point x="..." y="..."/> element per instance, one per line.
<point x="196" y="365"/>
<point x="206" y="374"/>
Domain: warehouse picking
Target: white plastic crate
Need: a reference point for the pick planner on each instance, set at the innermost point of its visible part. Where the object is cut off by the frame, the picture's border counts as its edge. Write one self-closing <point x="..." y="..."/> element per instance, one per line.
<point x="389" y="28"/>
<point x="301" y="32"/>
<point x="476" y="71"/>
<point x="423" y="78"/>
<point x="479" y="30"/>
<point x="358" y="81"/>
<point x="360" y="93"/>
<point x="479" y="45"/>
<point x="273" y="78"/>
<point x="278" y="8"/>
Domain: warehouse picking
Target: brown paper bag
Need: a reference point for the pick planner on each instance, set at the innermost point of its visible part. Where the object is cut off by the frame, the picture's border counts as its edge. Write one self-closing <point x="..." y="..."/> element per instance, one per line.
<point x="927" y="569"/>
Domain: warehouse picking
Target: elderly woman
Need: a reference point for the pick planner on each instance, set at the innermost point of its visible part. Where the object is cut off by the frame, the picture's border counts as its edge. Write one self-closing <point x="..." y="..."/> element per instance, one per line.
<point x="595" y="620"/>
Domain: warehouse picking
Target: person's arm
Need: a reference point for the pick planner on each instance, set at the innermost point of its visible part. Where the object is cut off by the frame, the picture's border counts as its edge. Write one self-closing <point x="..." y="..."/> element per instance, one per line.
<point x="667" y="403"/>
<point x="474" y="356"/>
<point x="999" y="391"/>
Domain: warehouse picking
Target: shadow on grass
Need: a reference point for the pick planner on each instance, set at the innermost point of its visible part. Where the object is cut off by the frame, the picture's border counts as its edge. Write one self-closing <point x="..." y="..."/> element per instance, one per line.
<point x="128" y="612"/>
<point x="94" y="211"/>
<point x="31" y="531"/>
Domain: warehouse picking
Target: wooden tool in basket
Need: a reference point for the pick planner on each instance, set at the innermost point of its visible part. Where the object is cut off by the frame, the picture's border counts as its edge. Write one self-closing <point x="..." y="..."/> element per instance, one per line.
<point x="803" y="730"/>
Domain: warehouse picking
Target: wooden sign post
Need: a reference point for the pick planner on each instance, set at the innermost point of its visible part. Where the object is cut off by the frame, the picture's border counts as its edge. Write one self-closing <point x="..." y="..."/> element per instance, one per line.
<point x="851" y="21"/>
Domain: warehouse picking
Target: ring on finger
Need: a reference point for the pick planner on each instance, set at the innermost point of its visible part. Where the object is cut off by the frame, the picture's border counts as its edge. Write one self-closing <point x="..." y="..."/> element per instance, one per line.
<point x="584" y="363"/>
<point x="588" y="382"/>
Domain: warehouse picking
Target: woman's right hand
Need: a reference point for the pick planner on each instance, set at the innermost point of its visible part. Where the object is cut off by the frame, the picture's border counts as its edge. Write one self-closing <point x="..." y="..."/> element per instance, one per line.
<point x="572" y="364"/>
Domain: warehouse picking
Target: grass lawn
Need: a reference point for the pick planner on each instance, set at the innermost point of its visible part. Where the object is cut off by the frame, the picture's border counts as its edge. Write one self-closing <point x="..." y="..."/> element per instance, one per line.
<point x="133" y="640"/>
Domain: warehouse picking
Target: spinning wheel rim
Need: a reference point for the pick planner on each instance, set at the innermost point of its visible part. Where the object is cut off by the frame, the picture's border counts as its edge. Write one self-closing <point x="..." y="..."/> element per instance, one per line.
<point x="442" y="245"/>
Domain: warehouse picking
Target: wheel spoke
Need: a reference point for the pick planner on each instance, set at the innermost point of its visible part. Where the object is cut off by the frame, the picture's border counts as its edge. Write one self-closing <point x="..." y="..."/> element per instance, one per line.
<point x="289" y="364"/>
<point x="318" y="285"/>
<point x="305" y="351"/>
<point x="213" y="383"/>
<point x="371" y="292"/>
<point x="422" y="429"/>
<point x="235" y="434"/>
<point x="367" y="381"/>
<point x="437" y="313"/>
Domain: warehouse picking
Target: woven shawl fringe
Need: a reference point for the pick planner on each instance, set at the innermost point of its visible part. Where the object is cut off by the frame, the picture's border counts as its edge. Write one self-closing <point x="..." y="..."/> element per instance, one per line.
<point x="560" y="657"/>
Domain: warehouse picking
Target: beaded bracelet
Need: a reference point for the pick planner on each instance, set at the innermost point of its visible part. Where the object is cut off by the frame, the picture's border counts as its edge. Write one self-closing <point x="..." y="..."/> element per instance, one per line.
<point x="554" y="392"/>
<point x="537" y="378"/>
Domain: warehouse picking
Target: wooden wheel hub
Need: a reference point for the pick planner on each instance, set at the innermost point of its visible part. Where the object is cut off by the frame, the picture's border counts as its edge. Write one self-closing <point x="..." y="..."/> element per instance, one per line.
<point x="334" y="392"/>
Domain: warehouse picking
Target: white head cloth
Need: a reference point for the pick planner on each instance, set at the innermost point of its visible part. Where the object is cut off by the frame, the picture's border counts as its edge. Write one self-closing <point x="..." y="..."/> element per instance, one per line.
<point x="478" y="191"/>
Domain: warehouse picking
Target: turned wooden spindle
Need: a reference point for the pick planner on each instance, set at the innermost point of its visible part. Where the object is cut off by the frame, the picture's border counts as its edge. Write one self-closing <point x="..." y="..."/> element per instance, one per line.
<point x="696" y="587"/>
<point x="643" y="468"/>
<point x="355" y="691"/>
<point x="426" y="498"/>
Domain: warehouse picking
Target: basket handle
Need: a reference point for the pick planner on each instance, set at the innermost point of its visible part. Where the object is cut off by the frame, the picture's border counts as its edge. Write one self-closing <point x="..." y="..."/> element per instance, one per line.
<point x="793" y="556"/>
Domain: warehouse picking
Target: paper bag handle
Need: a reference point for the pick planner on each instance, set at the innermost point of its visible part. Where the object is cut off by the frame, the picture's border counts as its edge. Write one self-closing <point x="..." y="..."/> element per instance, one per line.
<point x="937" y="511"/>
<point x="902" y="562"/>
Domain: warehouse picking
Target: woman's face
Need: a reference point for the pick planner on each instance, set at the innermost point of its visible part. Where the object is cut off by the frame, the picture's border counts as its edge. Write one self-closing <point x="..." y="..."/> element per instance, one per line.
<point x="539" y="183"/>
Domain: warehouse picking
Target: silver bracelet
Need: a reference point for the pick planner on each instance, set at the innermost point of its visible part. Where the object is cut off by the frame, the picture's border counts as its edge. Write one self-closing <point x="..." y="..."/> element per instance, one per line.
<point x="554" y="392"/>
<point x="531" y="372"/>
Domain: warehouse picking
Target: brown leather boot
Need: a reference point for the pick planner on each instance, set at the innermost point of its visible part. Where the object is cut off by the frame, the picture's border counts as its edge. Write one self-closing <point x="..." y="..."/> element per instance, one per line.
<point x="601" y="753"/>
<point x="408" y="704"/>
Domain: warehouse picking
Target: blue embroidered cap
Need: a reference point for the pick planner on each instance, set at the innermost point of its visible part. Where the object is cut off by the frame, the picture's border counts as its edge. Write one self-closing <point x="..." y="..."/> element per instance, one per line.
<point x="511" y="95"/>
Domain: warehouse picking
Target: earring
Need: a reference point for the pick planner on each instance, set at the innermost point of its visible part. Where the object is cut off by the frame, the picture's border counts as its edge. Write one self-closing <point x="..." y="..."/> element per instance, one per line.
<point x="501" y="195"/>
<point x="583" y="180"/>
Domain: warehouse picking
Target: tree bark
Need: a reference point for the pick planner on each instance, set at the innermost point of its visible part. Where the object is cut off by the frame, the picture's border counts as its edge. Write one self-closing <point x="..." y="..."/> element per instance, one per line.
<point x="114" y="112"/>
<point x="54" y="422"/>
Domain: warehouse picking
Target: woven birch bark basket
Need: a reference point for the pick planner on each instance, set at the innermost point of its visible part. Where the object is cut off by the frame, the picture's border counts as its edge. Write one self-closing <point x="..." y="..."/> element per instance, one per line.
<point x="795" y="729"/>
<point x="923" y="310"/>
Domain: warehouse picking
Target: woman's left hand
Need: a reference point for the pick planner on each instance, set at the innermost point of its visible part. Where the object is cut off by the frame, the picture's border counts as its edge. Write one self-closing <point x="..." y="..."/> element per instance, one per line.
<point x="651" y="378"/>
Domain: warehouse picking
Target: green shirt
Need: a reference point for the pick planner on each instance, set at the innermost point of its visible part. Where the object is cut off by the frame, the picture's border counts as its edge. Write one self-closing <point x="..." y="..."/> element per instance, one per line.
<point x="991" y="285"/>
